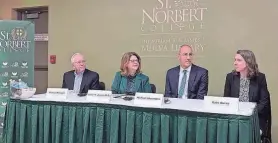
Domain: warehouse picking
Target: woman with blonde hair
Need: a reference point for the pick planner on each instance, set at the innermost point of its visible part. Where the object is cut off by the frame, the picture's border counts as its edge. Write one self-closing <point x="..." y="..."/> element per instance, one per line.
<point x="249" y="85"/>
<point x="130" y="79"/>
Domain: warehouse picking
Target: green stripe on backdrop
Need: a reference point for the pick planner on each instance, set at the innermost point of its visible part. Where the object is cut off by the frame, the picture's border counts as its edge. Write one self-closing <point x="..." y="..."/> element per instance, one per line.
<point x="16" y="58"/>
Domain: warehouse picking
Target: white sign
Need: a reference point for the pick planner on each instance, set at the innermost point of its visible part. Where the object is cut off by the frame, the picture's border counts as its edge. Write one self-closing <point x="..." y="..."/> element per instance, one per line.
<point x="149" y="99"/>
<point x="41" y="37"/>
<point x="99" y="96"/>
<point x="228" y="104"/>
<point x="60" y="93"/>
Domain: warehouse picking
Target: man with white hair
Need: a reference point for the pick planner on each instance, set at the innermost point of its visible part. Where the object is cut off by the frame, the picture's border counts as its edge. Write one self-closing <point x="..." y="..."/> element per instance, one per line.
<point x="80" y="79"/>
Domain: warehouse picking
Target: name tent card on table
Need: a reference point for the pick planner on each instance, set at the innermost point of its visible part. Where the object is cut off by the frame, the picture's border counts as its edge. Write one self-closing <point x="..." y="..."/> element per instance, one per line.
<point x="149" y="99"/>
<point x="228" y="104"/>
<point x="60" y="93"/>
<point x="100" y="96"/>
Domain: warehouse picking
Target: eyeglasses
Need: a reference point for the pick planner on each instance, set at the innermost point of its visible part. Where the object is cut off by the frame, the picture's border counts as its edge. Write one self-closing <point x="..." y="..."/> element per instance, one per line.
<point x="133" y="61"/>
<point x="80" y="62"/>
<point x="187" y="54"/>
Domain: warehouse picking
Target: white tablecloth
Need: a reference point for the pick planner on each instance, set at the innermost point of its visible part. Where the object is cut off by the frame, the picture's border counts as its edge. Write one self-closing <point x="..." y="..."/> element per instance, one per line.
<point x="245" y="108"/>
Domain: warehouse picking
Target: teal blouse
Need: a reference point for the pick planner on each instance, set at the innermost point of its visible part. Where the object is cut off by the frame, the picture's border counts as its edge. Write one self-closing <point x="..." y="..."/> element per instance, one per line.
<point x="123" y="84"/>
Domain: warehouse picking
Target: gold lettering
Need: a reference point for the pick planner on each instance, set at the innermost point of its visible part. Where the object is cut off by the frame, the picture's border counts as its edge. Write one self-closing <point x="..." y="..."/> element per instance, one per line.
<point x="150" y="18"/>
<point x="163" y="15"/>
<point x="161" y="3"/>
<point x="175" y="16"/>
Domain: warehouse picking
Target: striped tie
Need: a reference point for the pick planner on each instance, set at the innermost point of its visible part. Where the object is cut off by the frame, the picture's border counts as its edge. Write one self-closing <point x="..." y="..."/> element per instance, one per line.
<point x="183" y="82"/>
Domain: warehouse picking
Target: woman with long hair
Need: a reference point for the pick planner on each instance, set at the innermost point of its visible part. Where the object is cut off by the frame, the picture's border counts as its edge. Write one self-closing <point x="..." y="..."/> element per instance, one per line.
<point x="249" y="85"/>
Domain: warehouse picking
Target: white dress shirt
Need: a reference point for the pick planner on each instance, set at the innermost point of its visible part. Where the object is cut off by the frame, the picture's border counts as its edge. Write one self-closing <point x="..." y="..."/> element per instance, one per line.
<point x="77" y="82"/>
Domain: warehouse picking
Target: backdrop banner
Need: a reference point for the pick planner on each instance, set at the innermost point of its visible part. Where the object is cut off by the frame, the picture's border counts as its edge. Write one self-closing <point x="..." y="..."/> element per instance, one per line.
<point x="16" y="58"/>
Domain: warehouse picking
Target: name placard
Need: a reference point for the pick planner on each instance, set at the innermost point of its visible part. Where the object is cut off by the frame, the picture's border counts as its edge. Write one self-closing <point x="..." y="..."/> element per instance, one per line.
<point x="228" y="104"/>
<point x="60" y="93"/>
<point x="149" y="99"/>
<point x="100" y="96"/>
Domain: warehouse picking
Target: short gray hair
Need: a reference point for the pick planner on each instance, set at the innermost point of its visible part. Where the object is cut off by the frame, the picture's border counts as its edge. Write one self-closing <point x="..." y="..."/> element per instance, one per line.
<point x="73" y="56"/>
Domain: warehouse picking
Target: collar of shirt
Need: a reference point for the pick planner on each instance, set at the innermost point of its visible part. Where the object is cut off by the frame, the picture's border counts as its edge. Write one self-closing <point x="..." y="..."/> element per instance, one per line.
<point x="80" y="74"/>
<point x="188" y="69"/>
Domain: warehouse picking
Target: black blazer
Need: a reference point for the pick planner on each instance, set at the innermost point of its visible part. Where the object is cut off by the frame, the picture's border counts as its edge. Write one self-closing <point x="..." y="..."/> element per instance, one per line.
<point x="197" y="82"/>
<point x="90" y="81"/>
<point x="258" y="92"/>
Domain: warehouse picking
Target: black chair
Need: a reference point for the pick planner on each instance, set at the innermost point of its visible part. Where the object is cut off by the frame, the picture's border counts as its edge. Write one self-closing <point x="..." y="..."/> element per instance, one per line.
<point x="266" y="133"/>
<point x="101" y="85"/>
<point x="153" y="88"/>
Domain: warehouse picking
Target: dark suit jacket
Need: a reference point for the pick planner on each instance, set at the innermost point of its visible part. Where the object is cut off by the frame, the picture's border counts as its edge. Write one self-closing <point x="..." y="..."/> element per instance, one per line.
<point x="141" y="84"/>
<point x="258" y="93"/>
<point x="90" y="81"/>
<point x="197" y="83"/>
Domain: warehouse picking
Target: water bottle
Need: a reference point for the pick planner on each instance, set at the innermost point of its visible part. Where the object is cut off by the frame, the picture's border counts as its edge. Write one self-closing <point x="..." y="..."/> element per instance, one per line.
<point x="22" y="84"/>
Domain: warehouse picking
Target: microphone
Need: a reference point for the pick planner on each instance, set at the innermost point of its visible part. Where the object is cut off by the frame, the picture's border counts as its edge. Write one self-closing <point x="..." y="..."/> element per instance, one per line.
<point x="130" y="93"/>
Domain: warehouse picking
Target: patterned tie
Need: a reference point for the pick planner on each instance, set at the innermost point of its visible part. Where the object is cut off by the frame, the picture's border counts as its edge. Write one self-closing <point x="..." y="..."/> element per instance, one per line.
<point x="183" y="82"/>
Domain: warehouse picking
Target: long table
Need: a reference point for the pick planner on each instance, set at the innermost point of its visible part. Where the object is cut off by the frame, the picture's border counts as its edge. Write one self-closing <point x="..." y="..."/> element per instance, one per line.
<point x="75" y="120"/>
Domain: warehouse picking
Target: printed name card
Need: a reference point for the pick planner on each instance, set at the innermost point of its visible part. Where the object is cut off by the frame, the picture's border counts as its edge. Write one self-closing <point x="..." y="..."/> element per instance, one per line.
<point x="57" y="93"/>
<point x="228" y="104"/>
<point x="149" y="99"/>
<point x="100" y="96"/>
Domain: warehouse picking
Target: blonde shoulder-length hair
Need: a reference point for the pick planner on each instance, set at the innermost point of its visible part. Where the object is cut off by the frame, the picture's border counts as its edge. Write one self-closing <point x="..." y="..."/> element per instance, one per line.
<point x="125" y="60"/>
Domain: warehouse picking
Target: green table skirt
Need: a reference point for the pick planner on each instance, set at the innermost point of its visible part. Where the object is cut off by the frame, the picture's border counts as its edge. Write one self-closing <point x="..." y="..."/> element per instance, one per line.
<point x="60" y="122"/>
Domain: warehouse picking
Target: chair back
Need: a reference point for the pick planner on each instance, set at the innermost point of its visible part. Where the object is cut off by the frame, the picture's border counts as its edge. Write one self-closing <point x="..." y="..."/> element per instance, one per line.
<point x="102" y="85"/>
<point x="266" y="133"/>
<point x="153" y="88"/>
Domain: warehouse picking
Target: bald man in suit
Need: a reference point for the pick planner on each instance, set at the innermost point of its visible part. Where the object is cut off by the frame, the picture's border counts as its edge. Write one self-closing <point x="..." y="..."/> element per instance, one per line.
<point x="187" y="80"/>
